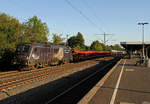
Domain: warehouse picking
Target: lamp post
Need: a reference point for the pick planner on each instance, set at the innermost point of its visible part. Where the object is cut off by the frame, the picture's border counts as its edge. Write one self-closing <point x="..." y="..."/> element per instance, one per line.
<point x="143" y="52"/>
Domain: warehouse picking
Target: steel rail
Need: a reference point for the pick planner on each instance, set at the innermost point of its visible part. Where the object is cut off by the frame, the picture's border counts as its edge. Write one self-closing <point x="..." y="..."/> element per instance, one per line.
<point x="13" y="83"/>
<point x="10" y="83"/>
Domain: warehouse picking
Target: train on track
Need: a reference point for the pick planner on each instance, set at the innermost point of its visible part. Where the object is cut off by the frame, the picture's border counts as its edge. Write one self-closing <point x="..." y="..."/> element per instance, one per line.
<point x="36" y="55"/>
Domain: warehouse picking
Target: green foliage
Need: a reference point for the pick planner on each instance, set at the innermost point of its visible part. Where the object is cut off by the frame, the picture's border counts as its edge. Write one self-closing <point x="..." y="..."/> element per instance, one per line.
<point x="76" y="42"/>
<point x="96" y="45"/>
<point x="79" y="39"/>
<point x="57" y="39"/>
<point x="72" y="41"/>
<point x="77" y="47"/>
<point x="7" y="57"/>
<point x="107" y="48"/>
<point x="103" y="46"/>
<point x="87" y="48"/>
<point x="35" y="29"/>
<point x="116" y="47"/>
<point x="12" y="32"/>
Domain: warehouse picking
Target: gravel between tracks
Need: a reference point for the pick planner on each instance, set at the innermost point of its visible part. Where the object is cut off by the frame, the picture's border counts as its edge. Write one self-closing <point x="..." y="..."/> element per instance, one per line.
<point x="73" y="67"/>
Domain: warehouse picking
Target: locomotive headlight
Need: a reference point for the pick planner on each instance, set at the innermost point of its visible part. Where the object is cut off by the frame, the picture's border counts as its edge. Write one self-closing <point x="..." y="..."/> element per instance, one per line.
<point x="26" y="57"/>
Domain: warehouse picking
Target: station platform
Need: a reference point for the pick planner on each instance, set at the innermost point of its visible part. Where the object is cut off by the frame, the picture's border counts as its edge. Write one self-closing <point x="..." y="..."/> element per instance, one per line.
<point x="127" y="84"/>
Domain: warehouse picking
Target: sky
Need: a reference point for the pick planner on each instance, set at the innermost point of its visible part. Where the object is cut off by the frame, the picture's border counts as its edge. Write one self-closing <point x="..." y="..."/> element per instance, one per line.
<point x="90" y="17"/>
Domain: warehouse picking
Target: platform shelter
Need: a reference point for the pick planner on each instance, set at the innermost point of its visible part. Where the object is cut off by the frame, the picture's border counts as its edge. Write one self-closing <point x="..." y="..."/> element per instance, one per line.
<point x="136" y="47"/>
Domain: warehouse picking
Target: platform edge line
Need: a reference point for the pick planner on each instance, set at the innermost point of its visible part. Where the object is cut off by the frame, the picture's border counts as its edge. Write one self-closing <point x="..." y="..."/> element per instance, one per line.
<point x="93" y="91"/>
<point x="117" y="85"/>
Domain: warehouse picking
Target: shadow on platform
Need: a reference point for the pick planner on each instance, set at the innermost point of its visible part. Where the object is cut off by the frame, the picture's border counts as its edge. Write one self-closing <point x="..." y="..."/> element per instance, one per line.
<point x="131" y="90"/>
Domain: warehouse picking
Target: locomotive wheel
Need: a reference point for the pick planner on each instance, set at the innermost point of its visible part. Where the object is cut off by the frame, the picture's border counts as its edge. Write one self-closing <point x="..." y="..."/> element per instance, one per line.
<point x="40" y="65"/>
<point x="66" y="61"/>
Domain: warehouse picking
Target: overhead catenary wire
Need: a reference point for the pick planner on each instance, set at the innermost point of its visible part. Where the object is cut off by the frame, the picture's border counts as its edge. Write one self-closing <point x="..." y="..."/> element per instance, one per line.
<point x="83" y="15"/>
<point x="98" y="19"/>
<point x="90" y="8"/>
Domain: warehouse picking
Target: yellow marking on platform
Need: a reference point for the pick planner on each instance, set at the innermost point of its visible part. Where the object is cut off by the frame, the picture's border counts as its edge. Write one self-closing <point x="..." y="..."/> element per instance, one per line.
<point x="126" y="103"/>
<point x="129" y="69"/>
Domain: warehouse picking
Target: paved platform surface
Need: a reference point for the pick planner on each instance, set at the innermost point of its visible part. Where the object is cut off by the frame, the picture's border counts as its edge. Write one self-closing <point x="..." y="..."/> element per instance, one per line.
<point x="128" y="84"/>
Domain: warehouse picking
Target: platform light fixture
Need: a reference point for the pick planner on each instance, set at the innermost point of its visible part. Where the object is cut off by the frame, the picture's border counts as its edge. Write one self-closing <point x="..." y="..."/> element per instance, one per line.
<point x="143" y="23"/>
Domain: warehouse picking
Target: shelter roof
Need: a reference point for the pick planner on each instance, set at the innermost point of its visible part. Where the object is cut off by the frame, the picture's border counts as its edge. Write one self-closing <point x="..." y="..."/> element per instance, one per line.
<point x="134" y="45"/>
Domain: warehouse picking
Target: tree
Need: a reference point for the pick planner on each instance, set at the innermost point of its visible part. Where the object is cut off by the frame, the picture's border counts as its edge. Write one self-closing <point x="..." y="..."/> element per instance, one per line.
<point x="116" y="47"/>
<point x="103" y="46"/>
<point x="57" y="39"/>
<point x="107" y="48"/>
<point x="76" y="42"/>
<point x="35" y="29"/>
<point x="96" y="46"/>
<point x="79" y="39"/>
<point x="87" y="47"/>
<point x="72" y="41"/>
<point x="10" y="31"/>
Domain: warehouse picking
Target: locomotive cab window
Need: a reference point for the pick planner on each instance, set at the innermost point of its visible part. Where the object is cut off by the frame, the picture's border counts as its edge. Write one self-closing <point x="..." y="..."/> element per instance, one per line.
<point x="26" y="48"/>
<point x="35" y="50"/>
<point x="23" y="48"/>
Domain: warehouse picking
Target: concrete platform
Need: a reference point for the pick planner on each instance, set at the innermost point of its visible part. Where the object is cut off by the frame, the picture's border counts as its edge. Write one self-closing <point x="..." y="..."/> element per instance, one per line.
<point x="127" y="84"/>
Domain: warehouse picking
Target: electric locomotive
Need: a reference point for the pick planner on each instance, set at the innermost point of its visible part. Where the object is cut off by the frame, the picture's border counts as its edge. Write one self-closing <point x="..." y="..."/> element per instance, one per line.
<point x="35" y="55"/>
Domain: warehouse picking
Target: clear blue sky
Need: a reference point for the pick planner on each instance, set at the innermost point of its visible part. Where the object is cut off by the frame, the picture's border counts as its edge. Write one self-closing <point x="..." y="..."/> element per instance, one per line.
<point x="118" y="17"/>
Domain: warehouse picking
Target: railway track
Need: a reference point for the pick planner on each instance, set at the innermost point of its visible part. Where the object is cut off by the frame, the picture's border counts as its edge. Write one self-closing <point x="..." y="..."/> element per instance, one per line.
<point x="7" y="73"/>
<point x="16" y="73"/>
<point x="9" y="80"/>
<point x="69" y="90"/>
<point x="28" y="78"/>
